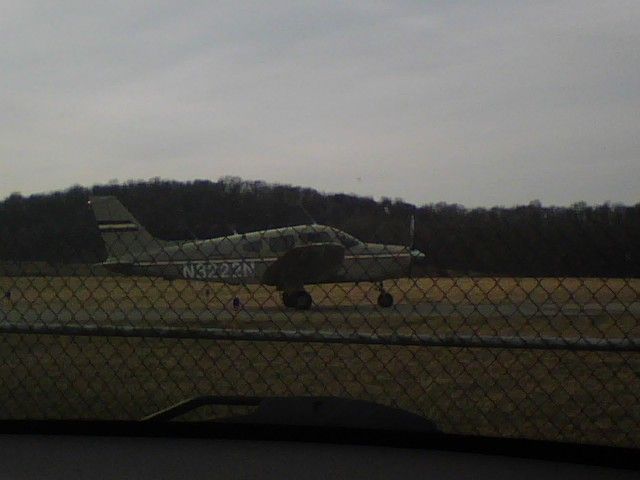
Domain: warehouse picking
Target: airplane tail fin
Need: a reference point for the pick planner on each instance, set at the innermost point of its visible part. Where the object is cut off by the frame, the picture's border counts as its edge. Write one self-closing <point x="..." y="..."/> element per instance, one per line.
<point x="123" y="235"/>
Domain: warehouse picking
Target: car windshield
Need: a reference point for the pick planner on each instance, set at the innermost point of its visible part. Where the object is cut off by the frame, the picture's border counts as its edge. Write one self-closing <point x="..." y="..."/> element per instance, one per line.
<point x="436" y="217"/>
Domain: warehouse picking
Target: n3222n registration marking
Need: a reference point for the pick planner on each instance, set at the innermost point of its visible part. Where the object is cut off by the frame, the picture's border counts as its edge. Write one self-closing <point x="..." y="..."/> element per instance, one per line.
<point x="213" y="270"/>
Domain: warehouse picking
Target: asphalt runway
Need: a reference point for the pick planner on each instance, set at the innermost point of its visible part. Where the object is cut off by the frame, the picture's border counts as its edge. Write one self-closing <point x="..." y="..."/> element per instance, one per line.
<point x="398" y="314"/>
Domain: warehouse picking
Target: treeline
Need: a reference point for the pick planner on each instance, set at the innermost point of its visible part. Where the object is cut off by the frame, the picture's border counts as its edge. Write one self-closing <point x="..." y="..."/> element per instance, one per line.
<point x="527" y="240"/>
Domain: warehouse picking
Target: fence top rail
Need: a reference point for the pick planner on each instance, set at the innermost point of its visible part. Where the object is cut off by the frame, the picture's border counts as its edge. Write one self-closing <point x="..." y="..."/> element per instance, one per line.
<point x="324" y="336"/>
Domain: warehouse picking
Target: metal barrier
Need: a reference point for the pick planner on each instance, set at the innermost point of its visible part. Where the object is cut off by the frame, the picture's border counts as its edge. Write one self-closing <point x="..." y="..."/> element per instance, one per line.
<point x="312" y="310"/>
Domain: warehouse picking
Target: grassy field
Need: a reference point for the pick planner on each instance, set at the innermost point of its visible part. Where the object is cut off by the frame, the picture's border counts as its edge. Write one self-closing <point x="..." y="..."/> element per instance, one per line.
<point x="575" y="396"/>
<point x="106" y="292"/>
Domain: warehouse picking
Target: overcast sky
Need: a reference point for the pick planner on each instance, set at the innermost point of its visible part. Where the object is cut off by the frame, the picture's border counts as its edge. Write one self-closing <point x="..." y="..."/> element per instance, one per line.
<point x="479" y="103"/>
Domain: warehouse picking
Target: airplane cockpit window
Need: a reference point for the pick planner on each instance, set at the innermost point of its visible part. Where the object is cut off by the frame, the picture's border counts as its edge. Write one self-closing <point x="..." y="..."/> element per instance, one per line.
<point x="315" y="237"/>
<point x="346" y="240"/>
<point x="252" y="246"/>
<point x="281" y="243"/>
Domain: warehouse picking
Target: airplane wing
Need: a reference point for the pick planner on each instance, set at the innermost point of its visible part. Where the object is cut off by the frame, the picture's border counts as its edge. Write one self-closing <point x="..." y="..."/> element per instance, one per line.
<point x="306" y="264"/>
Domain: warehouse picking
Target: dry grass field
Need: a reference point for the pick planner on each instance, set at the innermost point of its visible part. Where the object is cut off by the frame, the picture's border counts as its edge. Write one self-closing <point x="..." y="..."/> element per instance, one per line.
<point x="576" y="396"/>
<point x="109" y="292"/>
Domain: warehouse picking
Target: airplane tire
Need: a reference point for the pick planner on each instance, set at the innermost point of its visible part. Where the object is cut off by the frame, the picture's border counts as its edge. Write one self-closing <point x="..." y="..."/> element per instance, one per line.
<point x="385" y="300"/>
<point x="287" y="299"/>
<point x="302" y="300"/>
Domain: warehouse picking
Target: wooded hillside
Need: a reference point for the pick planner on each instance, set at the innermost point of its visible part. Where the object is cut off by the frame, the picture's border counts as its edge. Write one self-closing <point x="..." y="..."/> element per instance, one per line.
<point x="527" y="240"/>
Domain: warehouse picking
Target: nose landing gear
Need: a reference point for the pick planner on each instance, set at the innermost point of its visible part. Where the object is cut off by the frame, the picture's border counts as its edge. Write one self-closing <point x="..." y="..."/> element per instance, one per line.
<point x="385" y="299"/>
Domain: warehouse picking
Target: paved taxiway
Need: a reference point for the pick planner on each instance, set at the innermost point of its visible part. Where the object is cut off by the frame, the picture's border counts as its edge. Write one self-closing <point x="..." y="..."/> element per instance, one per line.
<point x="411" y="313"/>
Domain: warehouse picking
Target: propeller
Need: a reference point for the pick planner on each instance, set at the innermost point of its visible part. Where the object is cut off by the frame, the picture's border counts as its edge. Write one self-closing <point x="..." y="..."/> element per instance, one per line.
<point x="306" y="212"/>
<point x="412" y="231"/>
<point x="416" y="255"/>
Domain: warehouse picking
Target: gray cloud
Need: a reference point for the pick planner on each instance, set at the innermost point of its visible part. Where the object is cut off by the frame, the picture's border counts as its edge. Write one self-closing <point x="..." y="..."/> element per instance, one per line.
<point x="479" y="103"/>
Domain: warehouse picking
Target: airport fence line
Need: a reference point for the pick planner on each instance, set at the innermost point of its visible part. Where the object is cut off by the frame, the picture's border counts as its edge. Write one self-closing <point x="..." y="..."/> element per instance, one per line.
<point x="311" y="310"/>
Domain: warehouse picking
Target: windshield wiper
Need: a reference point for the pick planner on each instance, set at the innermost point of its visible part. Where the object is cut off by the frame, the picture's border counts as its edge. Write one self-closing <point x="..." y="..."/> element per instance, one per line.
<point x="304" y="411"/>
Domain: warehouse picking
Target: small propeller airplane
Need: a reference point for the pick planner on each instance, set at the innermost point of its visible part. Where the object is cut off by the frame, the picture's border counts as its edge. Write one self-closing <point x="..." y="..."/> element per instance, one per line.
<point x="286" y="258"/>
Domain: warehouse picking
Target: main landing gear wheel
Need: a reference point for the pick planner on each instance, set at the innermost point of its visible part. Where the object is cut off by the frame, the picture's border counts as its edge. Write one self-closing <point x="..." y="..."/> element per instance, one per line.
<point x="286" y="299"/>
<point x="385" y="300"/>
<point x="300" y="300"/>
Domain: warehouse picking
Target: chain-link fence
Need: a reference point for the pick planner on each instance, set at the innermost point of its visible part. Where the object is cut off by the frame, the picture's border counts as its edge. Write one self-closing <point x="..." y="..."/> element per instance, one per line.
<point x="313" y="310"/>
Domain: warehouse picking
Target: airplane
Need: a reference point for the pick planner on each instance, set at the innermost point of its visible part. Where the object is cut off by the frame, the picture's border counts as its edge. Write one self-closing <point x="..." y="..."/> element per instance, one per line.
<point x="286" y="258"/>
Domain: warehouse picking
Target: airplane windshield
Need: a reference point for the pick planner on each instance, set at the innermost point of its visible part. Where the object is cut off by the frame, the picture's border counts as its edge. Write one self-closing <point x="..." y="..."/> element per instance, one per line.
<point x="347" y="240"/>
